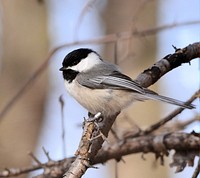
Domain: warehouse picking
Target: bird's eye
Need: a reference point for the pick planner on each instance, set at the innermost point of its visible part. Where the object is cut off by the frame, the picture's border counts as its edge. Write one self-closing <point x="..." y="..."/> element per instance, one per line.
<point x="75" y="62"/>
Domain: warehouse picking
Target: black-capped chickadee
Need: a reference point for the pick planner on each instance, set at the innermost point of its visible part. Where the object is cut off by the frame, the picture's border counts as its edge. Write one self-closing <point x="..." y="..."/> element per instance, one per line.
<point x="99" y="86"/>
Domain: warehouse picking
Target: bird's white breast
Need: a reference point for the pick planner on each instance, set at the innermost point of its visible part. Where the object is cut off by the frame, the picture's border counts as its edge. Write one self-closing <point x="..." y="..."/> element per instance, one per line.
<point x="106" y="101"/>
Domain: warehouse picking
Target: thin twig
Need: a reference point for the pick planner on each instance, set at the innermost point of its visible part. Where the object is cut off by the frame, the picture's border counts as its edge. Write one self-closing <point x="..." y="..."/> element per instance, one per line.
<point x="46" y="153"/>
<point x="181" y="125"/>
<point x="116" y="169"/>
<point x="137" y="11"/>
<point x="19" y="171"/>
<point x="178" y="125"/>
<point x="34" y="158"/>
<point x="197" y="170"/>
<point x="169" y="117"/>
<point x="88" y="5"/>
<point x="26" y="86"/>
<point x="63" y="124"/>
<point x="113" y="131"/>
<point x="130" y="121"/>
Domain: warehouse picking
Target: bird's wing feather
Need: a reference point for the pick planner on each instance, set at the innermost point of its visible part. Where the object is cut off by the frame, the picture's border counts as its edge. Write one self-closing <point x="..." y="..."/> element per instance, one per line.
<point x="117" y="80"/>
<point x="114" y="80"/>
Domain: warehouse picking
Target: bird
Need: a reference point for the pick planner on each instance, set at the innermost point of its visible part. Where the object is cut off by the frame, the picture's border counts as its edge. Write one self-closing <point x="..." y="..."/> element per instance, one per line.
<point x="100" y="86"/>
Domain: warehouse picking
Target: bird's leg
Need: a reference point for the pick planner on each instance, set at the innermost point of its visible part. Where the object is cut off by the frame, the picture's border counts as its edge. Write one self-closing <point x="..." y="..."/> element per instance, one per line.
<point x="95" y="118"/>
<point x="90" y="115"/>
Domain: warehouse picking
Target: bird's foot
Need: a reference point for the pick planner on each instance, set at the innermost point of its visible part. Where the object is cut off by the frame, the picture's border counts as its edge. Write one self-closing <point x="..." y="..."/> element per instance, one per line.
<point x="95" y="118"/>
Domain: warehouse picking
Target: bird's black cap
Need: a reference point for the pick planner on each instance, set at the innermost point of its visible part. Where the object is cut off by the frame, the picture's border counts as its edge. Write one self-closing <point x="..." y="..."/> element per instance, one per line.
<point x="75" y="57"/>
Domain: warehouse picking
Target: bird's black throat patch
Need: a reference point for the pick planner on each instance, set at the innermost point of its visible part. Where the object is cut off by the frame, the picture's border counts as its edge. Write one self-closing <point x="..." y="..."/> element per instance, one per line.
<point x="70" y="75"/>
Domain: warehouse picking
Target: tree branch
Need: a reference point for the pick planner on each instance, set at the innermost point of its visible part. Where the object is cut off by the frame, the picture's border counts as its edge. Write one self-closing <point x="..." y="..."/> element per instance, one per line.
<point x="168" y="63"/>
<point x="143" y="144"/>
<point x="150" y="143"/>
<point x="197" y="170"/>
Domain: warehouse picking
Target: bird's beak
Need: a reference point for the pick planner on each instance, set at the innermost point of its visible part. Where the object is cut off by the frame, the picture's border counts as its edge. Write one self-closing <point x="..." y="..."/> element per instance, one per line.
<point x="62" y="69"/>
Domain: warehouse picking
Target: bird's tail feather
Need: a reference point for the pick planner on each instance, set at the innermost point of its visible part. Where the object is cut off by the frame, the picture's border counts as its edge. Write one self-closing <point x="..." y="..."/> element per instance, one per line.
<point x="155" y="96"/>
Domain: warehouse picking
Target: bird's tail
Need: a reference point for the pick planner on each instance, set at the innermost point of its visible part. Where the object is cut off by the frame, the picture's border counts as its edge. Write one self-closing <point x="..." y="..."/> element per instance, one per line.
<point x="152" y="95"/>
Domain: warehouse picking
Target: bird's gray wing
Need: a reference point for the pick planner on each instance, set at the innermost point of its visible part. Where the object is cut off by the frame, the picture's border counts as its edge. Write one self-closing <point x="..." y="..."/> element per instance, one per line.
<point x="114" y="80"/>
<point x="117" y="80"/>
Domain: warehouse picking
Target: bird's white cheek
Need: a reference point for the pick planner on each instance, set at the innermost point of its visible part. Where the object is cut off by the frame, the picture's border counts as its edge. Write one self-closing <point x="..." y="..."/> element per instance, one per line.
<point x="87" y="63"/>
